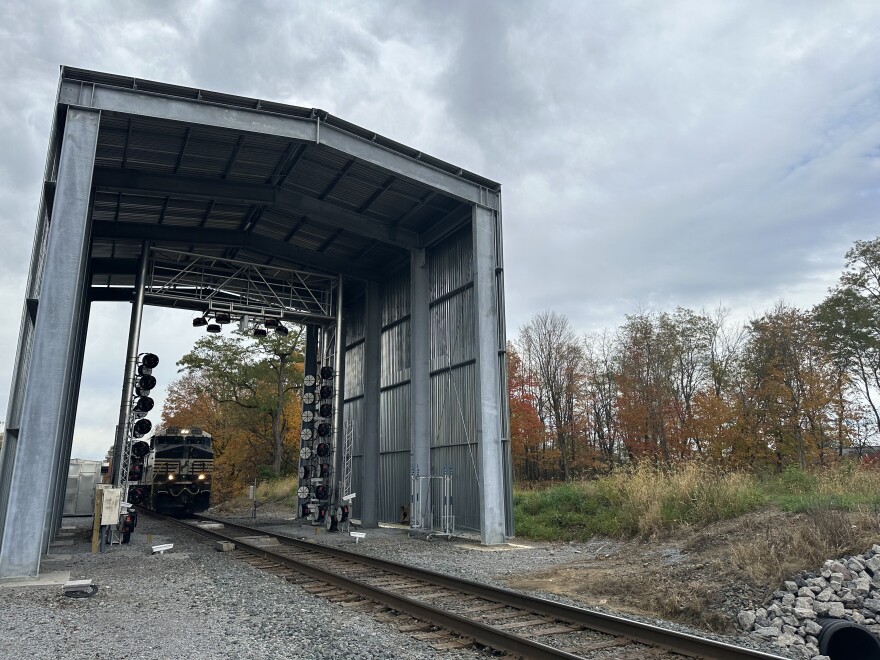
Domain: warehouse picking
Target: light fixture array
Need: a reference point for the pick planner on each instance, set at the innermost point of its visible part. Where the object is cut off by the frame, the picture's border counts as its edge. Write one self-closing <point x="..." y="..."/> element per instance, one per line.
<point x="259" y="328"/>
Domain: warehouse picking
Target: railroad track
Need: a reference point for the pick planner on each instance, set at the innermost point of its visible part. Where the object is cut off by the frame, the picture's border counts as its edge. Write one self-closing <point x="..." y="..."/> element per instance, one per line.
<point x="448" y="612"/>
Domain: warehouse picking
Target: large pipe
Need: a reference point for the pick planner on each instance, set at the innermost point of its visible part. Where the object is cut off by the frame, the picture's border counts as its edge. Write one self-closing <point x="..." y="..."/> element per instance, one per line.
<point x="841" y="639"/>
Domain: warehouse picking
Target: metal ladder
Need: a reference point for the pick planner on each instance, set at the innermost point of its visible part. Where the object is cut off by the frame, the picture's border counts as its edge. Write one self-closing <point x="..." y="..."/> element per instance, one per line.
<point x="345" y="483"/>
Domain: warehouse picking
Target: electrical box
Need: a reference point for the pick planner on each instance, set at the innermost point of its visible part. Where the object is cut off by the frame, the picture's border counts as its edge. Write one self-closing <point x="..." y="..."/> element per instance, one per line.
<point x="110" y="506"/>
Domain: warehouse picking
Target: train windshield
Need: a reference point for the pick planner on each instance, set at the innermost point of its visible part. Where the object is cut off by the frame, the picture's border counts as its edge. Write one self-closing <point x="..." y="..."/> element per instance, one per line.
<point x="182" y="446"/>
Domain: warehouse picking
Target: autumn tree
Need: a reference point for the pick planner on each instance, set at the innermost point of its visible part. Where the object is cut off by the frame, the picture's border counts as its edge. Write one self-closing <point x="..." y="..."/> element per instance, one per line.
<point x="254" y="382"/>
<point x="526" y="432"/>
<point x="554" y="357"/>
<point x="793" y="385"/>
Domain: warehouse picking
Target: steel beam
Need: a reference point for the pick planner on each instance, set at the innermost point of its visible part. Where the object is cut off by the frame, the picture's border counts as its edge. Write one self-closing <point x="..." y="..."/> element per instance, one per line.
<point x="490" y="407"/>
<point x="40" y="435"/>
<point x="369" y="495"/>
<point x="114" y="179"/>
<point x="247" y="194"/>
<point x="231" y="238"/>
<point x="195" y="111"/>
<point x="420" y="374"/>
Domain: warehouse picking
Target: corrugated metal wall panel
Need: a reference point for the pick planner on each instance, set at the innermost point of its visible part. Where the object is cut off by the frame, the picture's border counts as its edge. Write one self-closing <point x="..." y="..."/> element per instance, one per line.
<point x="465" y="463"/>
<point x="395" y="297"/>
<point x="454" y="406"/>
<point x="450" y="263"/>
<point x="454" y="388"/>
<point x="354" y="321"/>
<point x="395" y="354"/>
<point x="453" y="338"/>
<point x="354" y="371"/>
<point x="393" y="484"/>
<point x="394" y="419"/>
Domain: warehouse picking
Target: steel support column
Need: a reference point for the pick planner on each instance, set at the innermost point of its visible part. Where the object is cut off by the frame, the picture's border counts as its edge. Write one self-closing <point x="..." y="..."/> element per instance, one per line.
<point x="338" y="398"/>
<point x="490" y="408"/>
<point x="131" y="354"/>
<point x="420" y="374"/>
<point x="56" y="331"/>
<point x="311" y="354"/>
<point x="369" y="495"/>
<point x="53" y="523"/>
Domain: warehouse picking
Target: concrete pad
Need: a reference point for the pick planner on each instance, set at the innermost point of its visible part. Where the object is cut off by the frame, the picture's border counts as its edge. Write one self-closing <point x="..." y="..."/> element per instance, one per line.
<point x="259" y="541"/>
<point x="61" y="543"/>
<point x="45" y="580"/>
<point x="54" y="557"/>
<point x="504" y="547"/>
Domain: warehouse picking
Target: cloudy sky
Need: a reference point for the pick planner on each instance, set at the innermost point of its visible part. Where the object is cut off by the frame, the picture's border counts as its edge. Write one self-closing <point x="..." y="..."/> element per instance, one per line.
<point x="652" y="154"/>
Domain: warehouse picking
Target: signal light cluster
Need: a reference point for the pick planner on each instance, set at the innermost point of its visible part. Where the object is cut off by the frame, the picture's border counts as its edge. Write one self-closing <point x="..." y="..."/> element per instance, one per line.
<point x="143" y="402"/>
<point x="316" y="451"/>
<point x="139" y="426"/>
<point x="260" y="328"/>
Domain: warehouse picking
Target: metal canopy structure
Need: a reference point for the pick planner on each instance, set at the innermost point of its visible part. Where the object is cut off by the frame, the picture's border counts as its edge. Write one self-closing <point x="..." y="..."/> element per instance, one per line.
<point x="268" y="207"/>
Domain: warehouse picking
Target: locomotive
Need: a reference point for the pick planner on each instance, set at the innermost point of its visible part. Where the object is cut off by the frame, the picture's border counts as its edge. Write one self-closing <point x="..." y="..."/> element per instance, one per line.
<point x="173" y="473"/>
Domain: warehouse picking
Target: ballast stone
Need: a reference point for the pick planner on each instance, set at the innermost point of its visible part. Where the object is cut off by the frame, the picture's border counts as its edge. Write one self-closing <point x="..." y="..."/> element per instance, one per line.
<point x="845" y="588"/>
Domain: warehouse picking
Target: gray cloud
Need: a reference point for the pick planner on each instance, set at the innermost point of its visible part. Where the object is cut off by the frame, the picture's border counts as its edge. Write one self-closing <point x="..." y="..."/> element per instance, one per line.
<point x="652" y="154"/>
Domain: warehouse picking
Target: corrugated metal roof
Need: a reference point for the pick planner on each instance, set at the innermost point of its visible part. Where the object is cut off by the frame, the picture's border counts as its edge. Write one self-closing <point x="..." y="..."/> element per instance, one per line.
<point x="196" y="169"/>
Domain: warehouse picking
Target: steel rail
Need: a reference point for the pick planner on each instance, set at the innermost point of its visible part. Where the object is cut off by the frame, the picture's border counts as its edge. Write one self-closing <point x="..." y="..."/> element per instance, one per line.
<point x="645" y="633"/>
<point x="479" y="632"/>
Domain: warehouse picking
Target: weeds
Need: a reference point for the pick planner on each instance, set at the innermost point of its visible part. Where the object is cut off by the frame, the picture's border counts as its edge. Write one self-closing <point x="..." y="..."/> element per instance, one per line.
<point x="647" y="500"/>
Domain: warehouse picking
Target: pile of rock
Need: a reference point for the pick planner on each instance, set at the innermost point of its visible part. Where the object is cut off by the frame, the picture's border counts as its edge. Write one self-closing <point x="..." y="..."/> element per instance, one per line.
<point x="847" y="588"/>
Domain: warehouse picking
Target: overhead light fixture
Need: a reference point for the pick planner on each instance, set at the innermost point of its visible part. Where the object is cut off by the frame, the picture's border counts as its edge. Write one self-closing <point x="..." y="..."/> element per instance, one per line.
<point x="270" y="323"/>
<point x="281" y="330"/>
<point x="213" y="327"/>
<point x="200" y="321"/>
<point x="259" y="332"/>
<point x="222" y="318"/>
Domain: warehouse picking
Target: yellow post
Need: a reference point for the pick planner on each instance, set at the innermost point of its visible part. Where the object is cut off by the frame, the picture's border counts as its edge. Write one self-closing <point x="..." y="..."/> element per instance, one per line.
<point x="96" y="520"/>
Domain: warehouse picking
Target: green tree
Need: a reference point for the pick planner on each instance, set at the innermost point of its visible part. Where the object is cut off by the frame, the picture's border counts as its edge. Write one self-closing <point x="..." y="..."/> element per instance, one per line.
<point x="849" y="322"/>
<point x="257" y="375"/>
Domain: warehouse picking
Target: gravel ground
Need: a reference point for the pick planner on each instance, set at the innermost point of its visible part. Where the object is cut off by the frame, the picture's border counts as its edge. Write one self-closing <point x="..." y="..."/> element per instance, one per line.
<point x="190" y="603"/>
<point x="195" y="602"/>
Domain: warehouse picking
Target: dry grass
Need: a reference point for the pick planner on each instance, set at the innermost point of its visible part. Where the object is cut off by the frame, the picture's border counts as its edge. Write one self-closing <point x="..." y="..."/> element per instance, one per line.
<point x="277" y="489"/>
<point x="784" y="546"/>
<point x="651" y="499"/>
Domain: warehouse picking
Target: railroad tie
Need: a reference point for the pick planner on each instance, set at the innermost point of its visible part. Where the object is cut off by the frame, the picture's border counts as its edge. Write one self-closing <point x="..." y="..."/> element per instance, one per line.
<point x="504" y="615"/>
<point x="420" y="626"/>
<point x="555" y="630"/>
<point x="598" y="646"/>
<point x="451" y="646"/>
<point x="428" y="636"/>
<point x="524" y="624"/>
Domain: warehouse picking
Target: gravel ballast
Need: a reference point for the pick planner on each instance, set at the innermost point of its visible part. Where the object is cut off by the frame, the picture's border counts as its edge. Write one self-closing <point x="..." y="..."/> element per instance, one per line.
<point x="192" y="602"/>
<point x="196" y="602"/>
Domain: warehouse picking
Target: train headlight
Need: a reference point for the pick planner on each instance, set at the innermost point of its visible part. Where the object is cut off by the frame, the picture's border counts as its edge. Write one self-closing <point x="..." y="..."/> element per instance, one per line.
<point x="201" y="477"/>
<point x="170" y="477"/>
